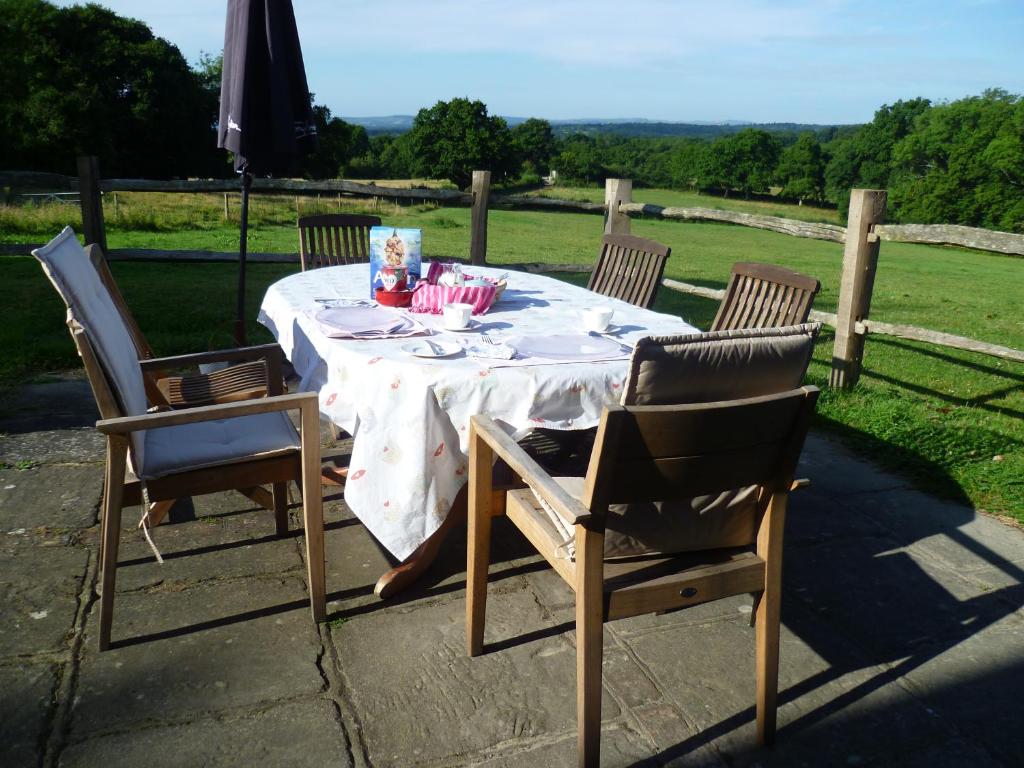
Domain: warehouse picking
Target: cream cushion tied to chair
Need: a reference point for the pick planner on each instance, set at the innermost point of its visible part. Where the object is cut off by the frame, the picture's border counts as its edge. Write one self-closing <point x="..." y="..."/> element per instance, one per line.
<point x="156" y="452"/>
<point x="696" y="368"/>
<point x="190" y="451"/>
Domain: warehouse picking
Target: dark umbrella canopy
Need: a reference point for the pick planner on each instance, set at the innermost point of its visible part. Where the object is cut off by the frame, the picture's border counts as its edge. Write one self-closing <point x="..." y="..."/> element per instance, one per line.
<point x="265" y="113"/>
<point x="266" y="116"/>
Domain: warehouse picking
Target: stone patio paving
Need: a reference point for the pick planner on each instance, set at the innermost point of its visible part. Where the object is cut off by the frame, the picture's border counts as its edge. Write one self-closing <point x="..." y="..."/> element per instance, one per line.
<point x="902" y="645"/>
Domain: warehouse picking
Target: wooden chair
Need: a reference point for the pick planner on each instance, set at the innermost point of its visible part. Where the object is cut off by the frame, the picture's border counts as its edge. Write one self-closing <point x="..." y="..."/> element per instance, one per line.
<point x="246" y="378"/>
<point x="335" y="238"/>
<point x="629" y="268"/>
<point x="645" y="454"/>
<point x="183" y="452"/>
<point x="765" y="296"/>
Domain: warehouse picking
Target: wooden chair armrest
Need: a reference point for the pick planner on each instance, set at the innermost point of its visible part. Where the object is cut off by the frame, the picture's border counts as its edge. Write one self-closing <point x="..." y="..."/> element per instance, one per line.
<point x="123" y="425"/>
<point x="262" y="351"/>
<point x="505" y="448"/>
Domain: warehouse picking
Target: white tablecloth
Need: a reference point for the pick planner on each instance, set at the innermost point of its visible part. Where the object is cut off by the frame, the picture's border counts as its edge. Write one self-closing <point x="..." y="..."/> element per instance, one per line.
<point x="410" y="416"/>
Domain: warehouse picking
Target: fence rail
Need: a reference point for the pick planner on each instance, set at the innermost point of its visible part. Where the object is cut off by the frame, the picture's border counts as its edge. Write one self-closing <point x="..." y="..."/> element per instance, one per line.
<point x="930" y="234"/>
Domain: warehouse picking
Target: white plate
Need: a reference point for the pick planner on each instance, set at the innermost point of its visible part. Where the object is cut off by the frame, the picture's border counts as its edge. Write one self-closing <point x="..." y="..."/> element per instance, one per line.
<point x="472" y="325"/>
<point x="431" y="348"/>
<point x="362" y="319"/>
<point x="569" y="347"/>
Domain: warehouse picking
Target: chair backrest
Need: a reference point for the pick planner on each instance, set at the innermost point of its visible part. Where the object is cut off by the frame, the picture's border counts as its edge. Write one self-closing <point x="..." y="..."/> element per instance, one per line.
<point x="99" y="263"/>
<point x="765" y="296"/>
<point x="335" y="238"/>
<point x="629" y="268"/>
<point x="720" y="365"/>
<point x="675" y="452"/>
<point x="142" y="349"/>
<point x="99" y="331"/>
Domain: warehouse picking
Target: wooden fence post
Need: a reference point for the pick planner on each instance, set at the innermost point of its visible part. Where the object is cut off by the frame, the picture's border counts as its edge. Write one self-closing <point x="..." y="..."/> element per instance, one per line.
<point x="478" y="217"/>
<point x="616" y="191"/>
<point x="860" y="258"/>
<point x="91" y="202"/>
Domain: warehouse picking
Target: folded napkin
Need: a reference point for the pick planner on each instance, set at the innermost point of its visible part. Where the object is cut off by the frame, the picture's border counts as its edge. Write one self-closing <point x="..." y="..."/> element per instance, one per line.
<point x="491" y="351"/>
<point x="344" y="302"/>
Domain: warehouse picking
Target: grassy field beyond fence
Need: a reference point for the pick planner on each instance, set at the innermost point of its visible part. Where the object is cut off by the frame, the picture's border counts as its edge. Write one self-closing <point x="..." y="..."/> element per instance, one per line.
<point x="953" y="421"/>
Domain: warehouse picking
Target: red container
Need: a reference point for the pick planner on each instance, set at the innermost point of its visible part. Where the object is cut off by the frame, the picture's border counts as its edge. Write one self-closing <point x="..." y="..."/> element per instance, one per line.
<point x="394" y="298"/>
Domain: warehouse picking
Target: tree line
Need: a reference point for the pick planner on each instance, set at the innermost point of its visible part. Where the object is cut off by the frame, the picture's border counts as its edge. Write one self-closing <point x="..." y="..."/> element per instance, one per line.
<point x="83" y="80"/>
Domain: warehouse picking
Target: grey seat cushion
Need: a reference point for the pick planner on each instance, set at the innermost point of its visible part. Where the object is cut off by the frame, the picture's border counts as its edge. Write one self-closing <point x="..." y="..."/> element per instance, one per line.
<point x="215" y="443"/>
<point x="704" y="522"/>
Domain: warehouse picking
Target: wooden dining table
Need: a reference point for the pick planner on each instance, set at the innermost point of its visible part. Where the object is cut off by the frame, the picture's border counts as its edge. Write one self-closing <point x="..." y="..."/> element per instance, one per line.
<point x="409" y="415"/>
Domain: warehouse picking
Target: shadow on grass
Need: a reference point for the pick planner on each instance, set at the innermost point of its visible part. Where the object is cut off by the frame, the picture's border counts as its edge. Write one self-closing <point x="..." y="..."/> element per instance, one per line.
<point x="981" y="401"/>
<point x="931" y="476"/>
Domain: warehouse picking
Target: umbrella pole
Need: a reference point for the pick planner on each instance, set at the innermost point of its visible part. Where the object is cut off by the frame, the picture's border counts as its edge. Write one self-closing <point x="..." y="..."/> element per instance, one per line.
<point x="240" y="310"/>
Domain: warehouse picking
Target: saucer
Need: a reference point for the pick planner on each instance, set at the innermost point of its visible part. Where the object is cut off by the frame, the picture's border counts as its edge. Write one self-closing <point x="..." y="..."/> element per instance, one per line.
<point x="472" y="324"/>
<point x="431" y="348"/>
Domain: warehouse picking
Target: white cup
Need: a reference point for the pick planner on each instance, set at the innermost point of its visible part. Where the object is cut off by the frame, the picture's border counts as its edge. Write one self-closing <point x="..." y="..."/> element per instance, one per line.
<point x="456" y="315"/>
<point x="597" y="318"/>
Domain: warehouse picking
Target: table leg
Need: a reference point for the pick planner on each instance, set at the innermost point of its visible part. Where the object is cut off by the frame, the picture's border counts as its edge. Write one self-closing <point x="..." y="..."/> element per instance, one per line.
<point x="334" y="467"/>
<point x="404" y="575"/>
<point x="332" y="476"/>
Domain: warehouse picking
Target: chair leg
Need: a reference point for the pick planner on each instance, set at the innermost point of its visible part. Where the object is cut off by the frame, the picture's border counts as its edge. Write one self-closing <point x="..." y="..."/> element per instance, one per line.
<point x="478" y="542"/>
<point x="258" y="494"/>
<point x="156" y="513"/>
<point x="769" y="548"/>
<point x="312" y="511"/>
<point x="589" y="644"/>
<point x="110" y="531"/>
<point x="281" y="508"/>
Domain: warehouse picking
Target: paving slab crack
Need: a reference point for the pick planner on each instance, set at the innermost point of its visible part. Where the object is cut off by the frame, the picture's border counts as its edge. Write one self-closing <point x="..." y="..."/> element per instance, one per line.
<point x="66" y="685"/>
<point x="348" y="717"/>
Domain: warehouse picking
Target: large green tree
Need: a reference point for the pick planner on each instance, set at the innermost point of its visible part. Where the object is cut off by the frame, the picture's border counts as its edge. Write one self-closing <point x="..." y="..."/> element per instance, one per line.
<point x="454" y="138"/>
<point x="801" y="169"/>
<point x="579" y="159"/>
<point x="745" y="162"/>
<point x="963" y="164"/>
<point x="687" y="158"/>
<point x="864" y="158"/>
<point x="535" y="145"/>
<point x="83" y="80"/>
<point x="338" y="143"/>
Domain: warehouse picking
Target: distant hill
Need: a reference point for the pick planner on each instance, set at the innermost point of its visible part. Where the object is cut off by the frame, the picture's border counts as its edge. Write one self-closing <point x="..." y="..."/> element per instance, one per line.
<point x="388" y="124"/>
<point x="630" y="127"/>
<point x="654" y="129"/>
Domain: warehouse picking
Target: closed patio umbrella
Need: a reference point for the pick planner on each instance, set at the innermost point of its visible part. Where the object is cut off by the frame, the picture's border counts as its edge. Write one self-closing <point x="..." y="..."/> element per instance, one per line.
<point x="266" y="117"/>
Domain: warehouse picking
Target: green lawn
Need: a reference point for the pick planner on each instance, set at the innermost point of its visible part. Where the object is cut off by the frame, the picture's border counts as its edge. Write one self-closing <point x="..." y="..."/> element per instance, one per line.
<point x="940" y="416"/>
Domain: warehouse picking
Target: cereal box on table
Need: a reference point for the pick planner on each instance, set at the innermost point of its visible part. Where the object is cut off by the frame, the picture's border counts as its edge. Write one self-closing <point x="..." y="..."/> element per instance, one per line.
<point x="394" y="247"/>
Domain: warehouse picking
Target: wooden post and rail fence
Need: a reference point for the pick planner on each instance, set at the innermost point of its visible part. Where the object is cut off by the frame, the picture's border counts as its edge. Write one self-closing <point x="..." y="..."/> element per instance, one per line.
<point x="861" y="237"/>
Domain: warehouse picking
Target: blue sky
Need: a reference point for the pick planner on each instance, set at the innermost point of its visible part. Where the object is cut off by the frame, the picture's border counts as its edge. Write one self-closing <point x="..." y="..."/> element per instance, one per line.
<point x="812" y="61"/>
